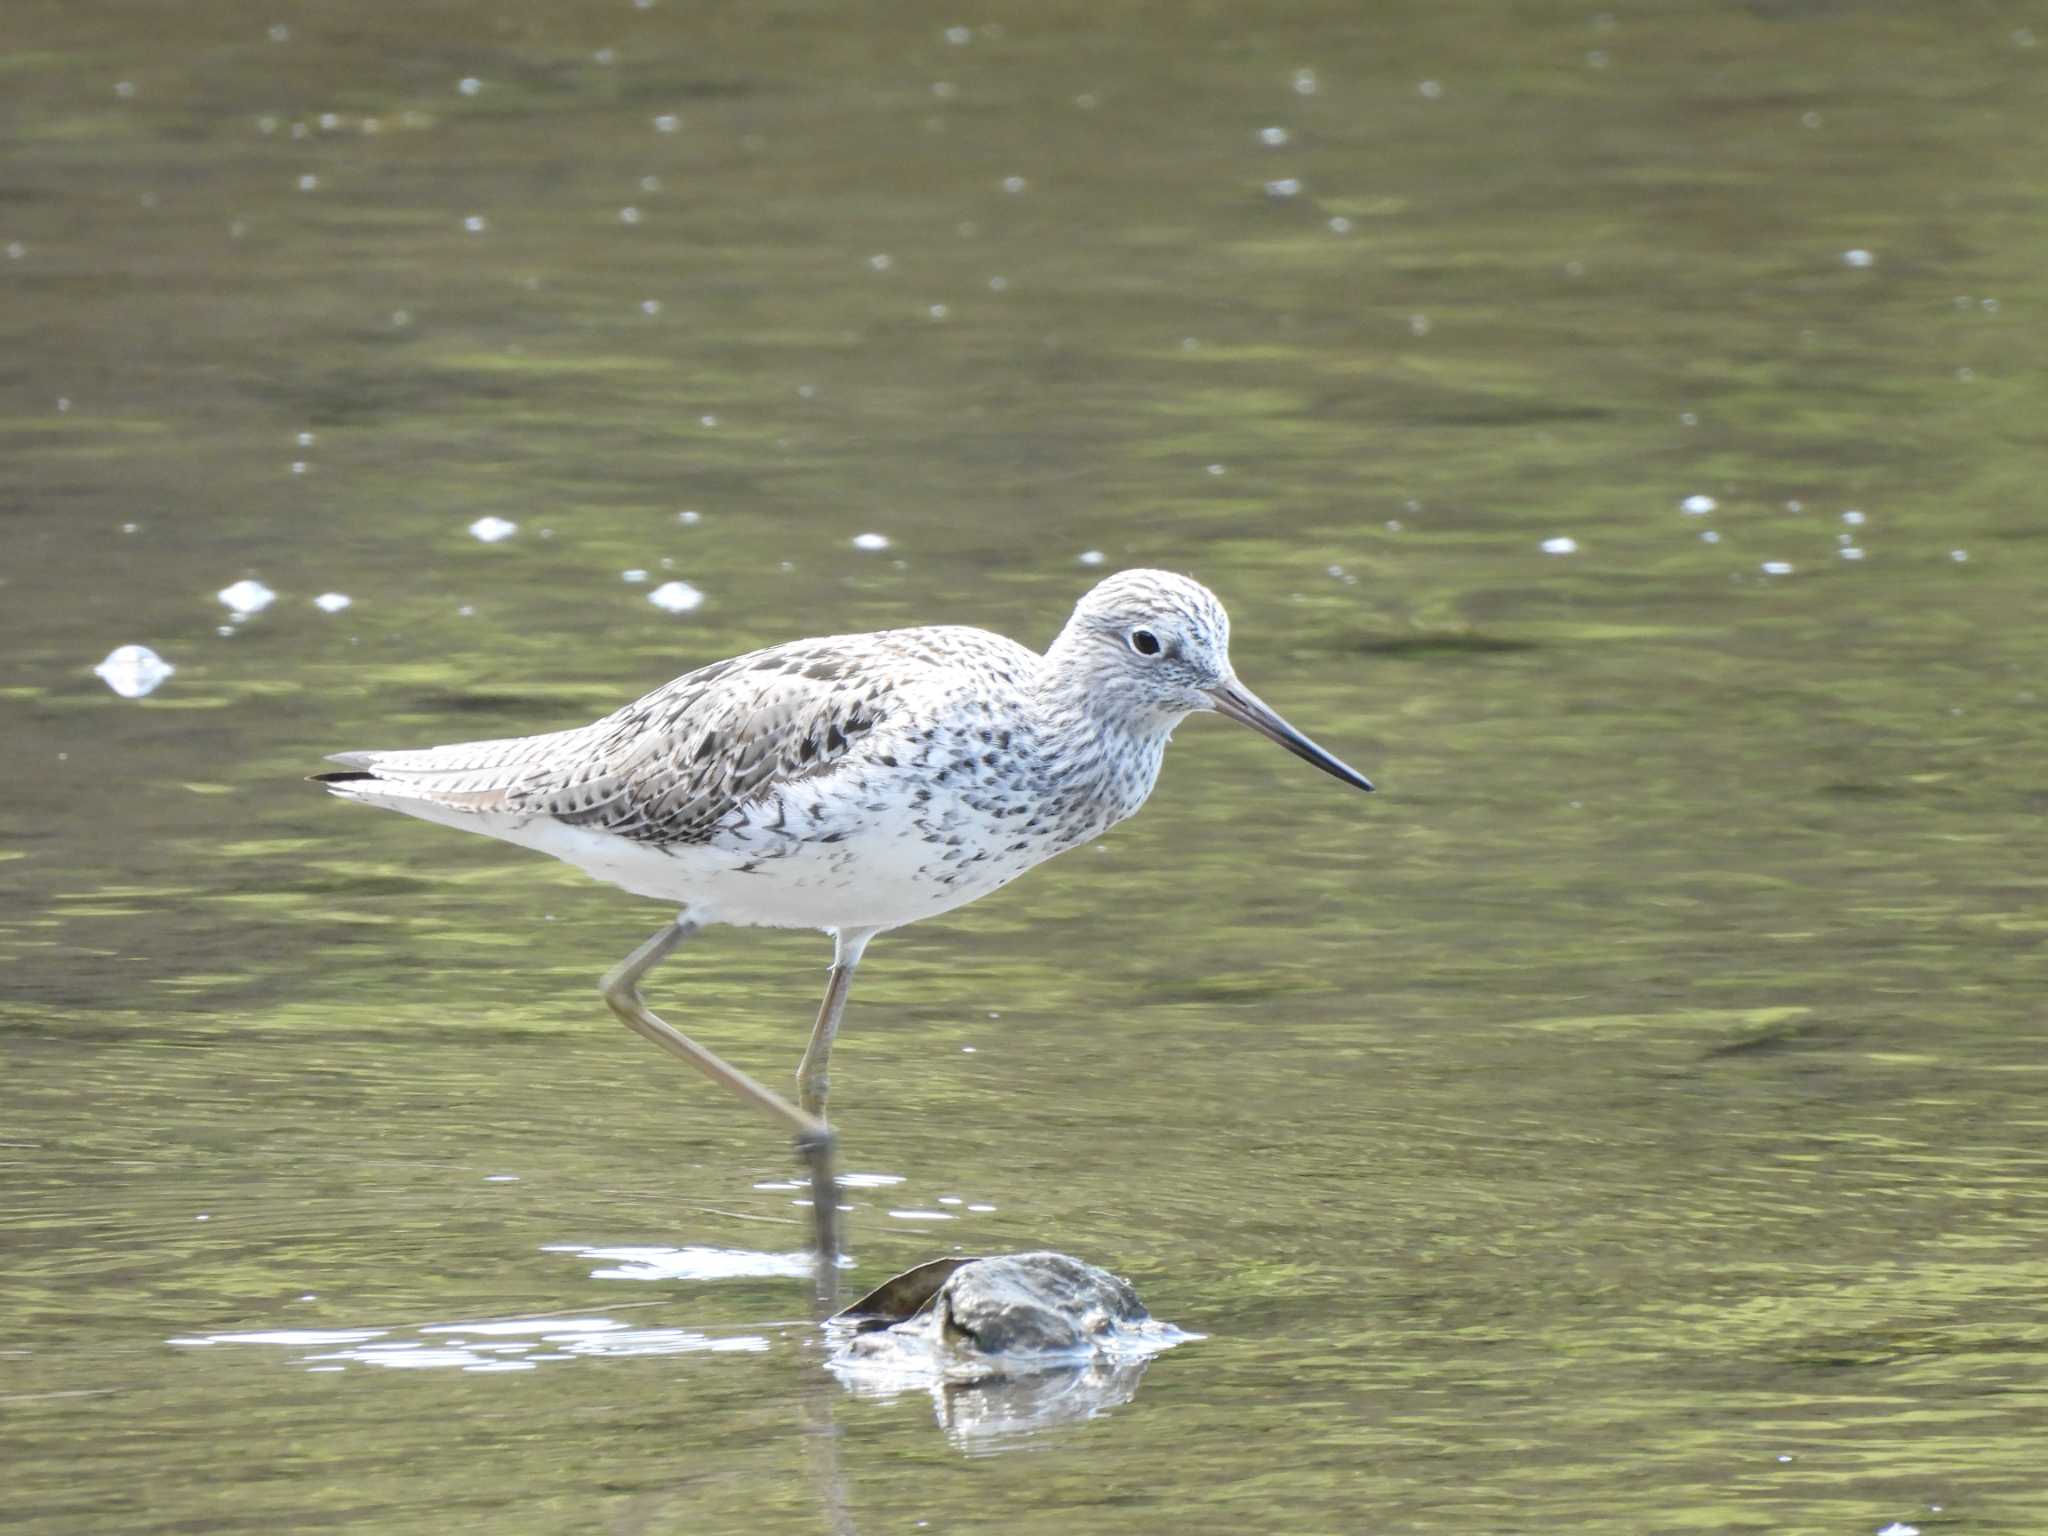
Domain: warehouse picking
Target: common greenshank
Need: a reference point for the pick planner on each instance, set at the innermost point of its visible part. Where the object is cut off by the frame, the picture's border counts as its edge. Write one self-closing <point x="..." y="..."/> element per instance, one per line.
<point x="850" y="783"/>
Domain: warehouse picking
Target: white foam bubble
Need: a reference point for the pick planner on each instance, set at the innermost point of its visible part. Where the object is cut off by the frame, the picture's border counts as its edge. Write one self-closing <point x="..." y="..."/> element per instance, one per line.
<point x="676" y="597"/>
<point x="133" y="671"/>
<point x="247" y="596"/>
<point x="493" y="529"/>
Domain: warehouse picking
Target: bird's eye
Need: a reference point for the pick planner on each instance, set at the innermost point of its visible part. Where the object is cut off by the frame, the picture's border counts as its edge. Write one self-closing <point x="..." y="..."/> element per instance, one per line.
<point x="1145" y="643"/>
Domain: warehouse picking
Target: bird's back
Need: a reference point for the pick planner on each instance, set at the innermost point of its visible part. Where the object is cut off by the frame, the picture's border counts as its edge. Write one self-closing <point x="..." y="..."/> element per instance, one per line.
<point x="839" y="740"/>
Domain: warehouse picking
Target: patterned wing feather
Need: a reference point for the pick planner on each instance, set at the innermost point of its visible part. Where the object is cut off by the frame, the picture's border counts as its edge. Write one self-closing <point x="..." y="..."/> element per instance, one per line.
<point x="673" y="765"/>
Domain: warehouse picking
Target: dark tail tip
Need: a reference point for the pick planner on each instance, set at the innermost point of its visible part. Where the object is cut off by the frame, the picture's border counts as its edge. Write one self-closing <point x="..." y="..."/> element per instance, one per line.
<point x="338" y="778"/>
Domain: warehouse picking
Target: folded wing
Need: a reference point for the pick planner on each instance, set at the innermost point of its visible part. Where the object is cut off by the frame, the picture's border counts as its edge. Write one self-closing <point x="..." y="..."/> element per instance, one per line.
<point x="667" y="768"/>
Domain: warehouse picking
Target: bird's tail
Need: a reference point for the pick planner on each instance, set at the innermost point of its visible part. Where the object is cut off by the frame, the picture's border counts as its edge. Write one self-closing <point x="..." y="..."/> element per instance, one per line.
<point x="465" y="777"/>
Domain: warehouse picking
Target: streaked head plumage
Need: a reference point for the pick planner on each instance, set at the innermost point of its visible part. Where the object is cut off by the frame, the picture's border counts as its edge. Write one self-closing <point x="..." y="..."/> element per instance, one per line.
<point x="1149" y="643"/>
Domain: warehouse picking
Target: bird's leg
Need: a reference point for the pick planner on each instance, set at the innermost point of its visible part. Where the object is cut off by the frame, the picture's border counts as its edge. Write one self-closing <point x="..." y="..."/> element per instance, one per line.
<point x="814" y="1138"/>
<point x="813" y="1082"/>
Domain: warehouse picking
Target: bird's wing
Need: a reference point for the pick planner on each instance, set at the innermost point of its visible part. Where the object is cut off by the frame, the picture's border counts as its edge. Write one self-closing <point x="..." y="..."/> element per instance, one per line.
<point x="669" y="767"/>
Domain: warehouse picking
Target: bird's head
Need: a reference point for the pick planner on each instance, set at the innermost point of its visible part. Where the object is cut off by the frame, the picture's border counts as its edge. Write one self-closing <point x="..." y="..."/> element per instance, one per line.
<point x="1150" y="643"/>
<point x="1151" y="648"/>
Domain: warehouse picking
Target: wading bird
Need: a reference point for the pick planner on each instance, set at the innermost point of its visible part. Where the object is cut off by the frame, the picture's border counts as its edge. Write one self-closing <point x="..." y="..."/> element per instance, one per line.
<point x="851" y="783"/>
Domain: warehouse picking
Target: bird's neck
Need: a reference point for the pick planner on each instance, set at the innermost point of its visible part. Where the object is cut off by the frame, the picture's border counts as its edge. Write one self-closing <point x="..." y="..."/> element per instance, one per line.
<point x="1105" y="753"/>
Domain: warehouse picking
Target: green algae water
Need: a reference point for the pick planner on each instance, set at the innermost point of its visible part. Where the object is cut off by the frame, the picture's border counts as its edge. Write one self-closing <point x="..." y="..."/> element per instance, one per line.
<point x="1617" y="433"/>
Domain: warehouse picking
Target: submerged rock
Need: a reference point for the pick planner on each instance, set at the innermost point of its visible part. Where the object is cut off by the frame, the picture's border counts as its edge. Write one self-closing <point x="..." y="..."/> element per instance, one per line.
<point x="1006" y="1345"/>
<point x="975" y="1312"/>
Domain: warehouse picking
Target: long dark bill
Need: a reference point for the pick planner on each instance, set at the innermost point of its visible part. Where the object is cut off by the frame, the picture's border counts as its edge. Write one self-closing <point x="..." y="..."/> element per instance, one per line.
<point x="1236" y="702"/>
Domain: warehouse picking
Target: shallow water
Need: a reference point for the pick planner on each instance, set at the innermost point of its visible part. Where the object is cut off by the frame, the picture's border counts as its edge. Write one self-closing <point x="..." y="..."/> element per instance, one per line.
<point x="1630" y="1119"/>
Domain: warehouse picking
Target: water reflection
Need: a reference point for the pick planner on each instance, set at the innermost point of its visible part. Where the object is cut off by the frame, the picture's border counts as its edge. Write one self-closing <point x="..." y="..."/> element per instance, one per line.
<point x="984" y="1402"/>
<point x="506" y="1344"/>
<point x="1004" y="1413"/>
<point x="691" y="1263"/>
<point x="999" y="1410"/>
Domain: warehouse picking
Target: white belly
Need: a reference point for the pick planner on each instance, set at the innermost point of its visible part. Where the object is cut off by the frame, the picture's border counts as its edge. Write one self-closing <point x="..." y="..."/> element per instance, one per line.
<point x="866" y="867"/>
